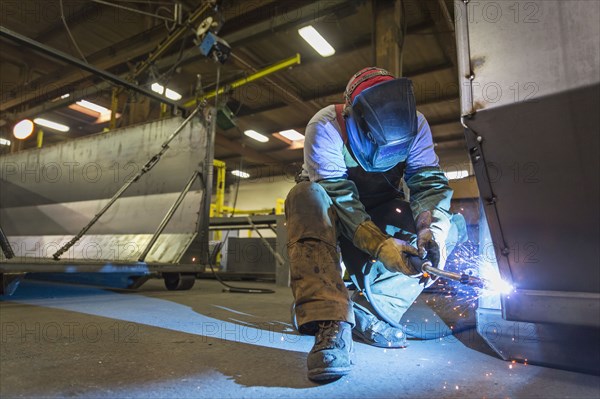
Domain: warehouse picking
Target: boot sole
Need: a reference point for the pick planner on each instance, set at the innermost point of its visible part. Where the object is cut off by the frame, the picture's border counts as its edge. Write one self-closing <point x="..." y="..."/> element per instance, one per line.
<point x="328" y="374"/>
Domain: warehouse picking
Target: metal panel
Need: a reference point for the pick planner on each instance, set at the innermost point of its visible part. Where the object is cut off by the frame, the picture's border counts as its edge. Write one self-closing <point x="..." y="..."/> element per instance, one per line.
<point x="530" y="94"/>
<point x="282" y="270"/>
<point x="537" y="167"/>
<point x="49" y="194"/>
<point x="249" y="254"/>
<point x="573" y="347"/>
<point x="523" y="50"/>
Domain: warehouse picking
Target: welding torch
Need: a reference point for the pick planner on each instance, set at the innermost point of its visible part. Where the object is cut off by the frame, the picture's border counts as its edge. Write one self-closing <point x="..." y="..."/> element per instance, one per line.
<point x="427" y="267"/>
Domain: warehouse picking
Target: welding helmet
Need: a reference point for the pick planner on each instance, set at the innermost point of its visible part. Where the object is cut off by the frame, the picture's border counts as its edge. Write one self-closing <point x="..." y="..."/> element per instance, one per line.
<point x="381" y="123"/>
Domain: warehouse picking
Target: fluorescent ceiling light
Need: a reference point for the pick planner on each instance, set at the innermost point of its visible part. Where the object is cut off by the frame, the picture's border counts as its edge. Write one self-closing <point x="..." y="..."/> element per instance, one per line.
<point x="102" y="114"/>
<point x="317" y="41"/>
<point x="292" y="135"/>
<point x="241" y="174"/>
<point x="94" y="107"/>
<point x="66" y="95"/>
<point x="4" y="141"/>
<point x="456" y="174"/>
<point x="256" y="136"/>
<point x="23" y="129"/>
<point x="52" y="125"/>
<point x="160" y="89"/>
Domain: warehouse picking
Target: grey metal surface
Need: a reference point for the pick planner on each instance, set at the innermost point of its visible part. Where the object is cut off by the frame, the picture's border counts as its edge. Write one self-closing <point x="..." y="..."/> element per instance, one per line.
<point x="530" y="90"/>
<point x="541" y="343"/>
<point x="537" y="167"/>
<point x="49" y="194"/>
<point x="249" y="254"/>
<point x="282" y="271"/>
<point x="574" y="308"/>
<point x="522" y="50"/>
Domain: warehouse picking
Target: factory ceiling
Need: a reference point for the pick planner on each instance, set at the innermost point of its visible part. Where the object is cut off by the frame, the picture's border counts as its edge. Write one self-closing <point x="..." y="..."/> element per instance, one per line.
<point x="260" y="33"/>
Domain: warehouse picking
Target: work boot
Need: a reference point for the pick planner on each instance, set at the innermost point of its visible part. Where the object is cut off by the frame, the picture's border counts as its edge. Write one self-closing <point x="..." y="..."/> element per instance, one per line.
<point x="372" y="331"/>
<point x="329" y="359"/>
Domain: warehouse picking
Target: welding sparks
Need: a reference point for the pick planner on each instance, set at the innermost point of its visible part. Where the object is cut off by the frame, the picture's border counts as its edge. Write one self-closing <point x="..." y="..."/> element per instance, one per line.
<point x="493" y="282"/>
<point x="478" y="271"/>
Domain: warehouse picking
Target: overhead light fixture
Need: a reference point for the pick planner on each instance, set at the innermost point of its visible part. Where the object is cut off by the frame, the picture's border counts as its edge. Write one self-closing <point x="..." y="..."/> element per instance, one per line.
<point x="292" y="135"/>
<point x="456" y="174"/>
<point x="52" y="125"/>
<point x="256" y="136"/>
<point x="102" y="114"/>
<point x="317" y="41"/>
<point x="4" y="141"/>
<point x="23" y="129"/>
<point x="293" y="138"/>
<point x="170" y="94"/>
<point x="66" y="95"/>
<point x="93" y="107"/>
<point x="240" y="174"/>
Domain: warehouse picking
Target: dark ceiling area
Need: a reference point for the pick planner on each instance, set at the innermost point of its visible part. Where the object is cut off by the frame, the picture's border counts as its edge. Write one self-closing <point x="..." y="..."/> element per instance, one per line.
<point x="260" y="32"/>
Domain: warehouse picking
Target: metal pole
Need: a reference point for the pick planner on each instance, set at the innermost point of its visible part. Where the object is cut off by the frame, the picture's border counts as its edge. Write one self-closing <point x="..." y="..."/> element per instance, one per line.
<point x="146" y="168"/>
<point x="207" y="179"/>
<point x="276" y="255"/>
<point x="240" y="82"/>
<point x="6" y="248"/>
<point x="169" y="215"/>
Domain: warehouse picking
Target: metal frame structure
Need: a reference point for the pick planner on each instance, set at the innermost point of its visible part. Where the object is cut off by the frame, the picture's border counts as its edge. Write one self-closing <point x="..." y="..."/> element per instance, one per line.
<point x="202" y="173"/>
<point x="31" y="206"/>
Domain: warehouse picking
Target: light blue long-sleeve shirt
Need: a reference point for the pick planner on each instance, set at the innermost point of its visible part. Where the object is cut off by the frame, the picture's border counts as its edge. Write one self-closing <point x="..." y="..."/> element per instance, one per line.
<point x="326" y="161"/>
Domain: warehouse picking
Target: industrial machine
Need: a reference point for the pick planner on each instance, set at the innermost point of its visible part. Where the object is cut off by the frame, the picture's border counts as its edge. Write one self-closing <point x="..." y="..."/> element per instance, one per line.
<point x="530" y="94"/>
<point x="133" y="201"/>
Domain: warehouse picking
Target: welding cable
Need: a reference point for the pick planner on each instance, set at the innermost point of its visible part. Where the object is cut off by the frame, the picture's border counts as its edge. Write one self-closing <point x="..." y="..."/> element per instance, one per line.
<point x="369" y="294"/>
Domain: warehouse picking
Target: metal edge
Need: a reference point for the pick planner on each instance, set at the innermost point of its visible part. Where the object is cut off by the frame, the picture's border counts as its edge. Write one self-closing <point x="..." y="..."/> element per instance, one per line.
<point x="560" y="307"/>
<point x="463" y="57"/>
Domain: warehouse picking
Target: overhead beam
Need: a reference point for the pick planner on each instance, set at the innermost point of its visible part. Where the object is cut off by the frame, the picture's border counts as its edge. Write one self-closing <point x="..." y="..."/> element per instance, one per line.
<point x="444" y="29"/>
<point x="127" y="51"/>
<point x="50" y="84"/>
<point x="25" y="41"/>
<point x="338" y="91"/>
<point x="389" y="35"/>
<point x="286" y="16"/>
<point x="72" y="19"/>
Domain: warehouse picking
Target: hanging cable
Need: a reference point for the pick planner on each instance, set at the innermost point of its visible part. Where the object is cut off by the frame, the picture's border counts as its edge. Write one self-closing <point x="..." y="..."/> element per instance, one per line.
<point x="64" y="20"/>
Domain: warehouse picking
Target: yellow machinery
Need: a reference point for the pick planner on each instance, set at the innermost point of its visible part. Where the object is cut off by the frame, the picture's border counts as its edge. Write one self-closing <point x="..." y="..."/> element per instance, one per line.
<point x="219" y="209"/>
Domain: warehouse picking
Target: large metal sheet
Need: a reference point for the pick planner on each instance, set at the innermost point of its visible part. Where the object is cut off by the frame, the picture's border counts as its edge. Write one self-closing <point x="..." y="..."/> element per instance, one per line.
<point x="537" y="169"/>
<point x="530" y="94"/>
<point x="523" y="50"/>
<point x="49" y="194"/>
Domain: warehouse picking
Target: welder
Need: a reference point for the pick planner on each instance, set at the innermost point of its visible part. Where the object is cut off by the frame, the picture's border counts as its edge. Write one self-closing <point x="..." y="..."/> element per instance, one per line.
<point x="349" y="203"/>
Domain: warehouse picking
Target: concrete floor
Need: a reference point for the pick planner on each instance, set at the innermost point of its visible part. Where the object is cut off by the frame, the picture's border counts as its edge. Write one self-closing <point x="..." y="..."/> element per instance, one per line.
<point x="65" y="341"/>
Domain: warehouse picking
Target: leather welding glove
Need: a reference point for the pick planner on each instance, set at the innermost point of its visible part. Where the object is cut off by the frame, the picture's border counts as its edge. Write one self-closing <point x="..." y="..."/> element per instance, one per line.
<point x="428" y="248"/>
<point x="392" y="252"/>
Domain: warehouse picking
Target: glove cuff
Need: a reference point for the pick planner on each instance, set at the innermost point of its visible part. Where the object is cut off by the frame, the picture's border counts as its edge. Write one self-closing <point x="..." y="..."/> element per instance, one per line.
<point x="369" y="238"/>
